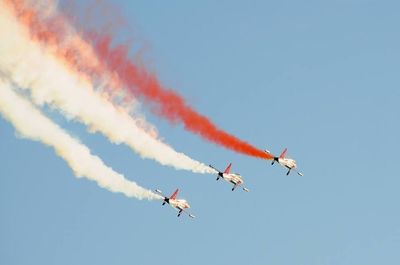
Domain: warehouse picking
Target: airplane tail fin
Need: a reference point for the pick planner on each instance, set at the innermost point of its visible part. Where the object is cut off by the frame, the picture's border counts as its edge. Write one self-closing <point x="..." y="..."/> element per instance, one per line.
<point x="228" y="168"/>
<point x="174" y="195"/>
<point x="283" y="154"/>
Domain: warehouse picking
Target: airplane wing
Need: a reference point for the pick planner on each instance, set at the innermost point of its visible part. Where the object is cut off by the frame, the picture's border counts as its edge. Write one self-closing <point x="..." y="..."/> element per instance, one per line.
<point x="160" y="193"/>
<point x="181" y="210"/>
<point x="244" y="188"/>
<point x="214" y="168"/>
<point x="189" y="214"/>
<point x="268" y="154"/>
<point x="241" y="185"/>
<point x="299" y="173"/>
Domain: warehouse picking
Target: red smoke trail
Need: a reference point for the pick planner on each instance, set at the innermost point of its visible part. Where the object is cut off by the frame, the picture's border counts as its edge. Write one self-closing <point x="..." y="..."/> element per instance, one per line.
<point x="164" y="102"/>
<point x="167" y="103"/>
<point x="53" y="31"/>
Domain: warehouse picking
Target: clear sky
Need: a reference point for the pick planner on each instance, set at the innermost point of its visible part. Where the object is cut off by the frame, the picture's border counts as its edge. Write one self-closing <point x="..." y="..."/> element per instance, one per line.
<point x="319" y="77"/>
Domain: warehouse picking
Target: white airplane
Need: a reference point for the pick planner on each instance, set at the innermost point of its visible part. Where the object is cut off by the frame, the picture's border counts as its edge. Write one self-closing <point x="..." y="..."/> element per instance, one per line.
<point x="180" y="204"/>
<point x="285" y="162"/>
<point x="234" y="178"/>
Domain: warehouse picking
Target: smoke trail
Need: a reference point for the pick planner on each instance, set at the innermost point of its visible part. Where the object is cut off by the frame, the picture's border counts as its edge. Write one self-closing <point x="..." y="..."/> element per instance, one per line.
<point x="167" y="103"/>
<point x="32" y="124"/>
<point x="47" y="25"/>
<point x="32" y="67"/>
<point x="163" y="102"/>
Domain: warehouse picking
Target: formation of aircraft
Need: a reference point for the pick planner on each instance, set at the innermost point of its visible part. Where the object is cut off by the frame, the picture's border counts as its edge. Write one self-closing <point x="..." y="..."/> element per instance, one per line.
<point x="234" y="178"/>
<point x="180" y="204"/>
<point x="285" y="162"/>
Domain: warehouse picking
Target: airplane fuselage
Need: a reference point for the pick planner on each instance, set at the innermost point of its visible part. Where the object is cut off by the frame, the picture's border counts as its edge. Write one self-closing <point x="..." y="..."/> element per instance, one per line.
<point x="233" y="178"/>
<point x="179" y="204"/>
<point x="287" y="162"/>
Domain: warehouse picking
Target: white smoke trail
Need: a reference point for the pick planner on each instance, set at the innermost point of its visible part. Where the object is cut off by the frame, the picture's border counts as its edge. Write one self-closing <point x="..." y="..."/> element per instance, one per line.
<point x="67" y="43"/>
<point x="32" y="67"/>
<point x="32" y="124"/>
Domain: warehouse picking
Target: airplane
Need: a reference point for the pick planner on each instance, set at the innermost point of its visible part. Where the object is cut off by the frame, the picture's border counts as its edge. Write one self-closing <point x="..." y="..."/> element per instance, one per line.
<point x="234" y="178"/>
<point x="180" y="204"/>
<point x="285" y="162"/>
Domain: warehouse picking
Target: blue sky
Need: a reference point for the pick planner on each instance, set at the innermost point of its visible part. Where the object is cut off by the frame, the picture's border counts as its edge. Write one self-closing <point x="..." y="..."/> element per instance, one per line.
<point x="318" y="77"/>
